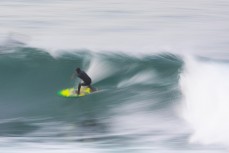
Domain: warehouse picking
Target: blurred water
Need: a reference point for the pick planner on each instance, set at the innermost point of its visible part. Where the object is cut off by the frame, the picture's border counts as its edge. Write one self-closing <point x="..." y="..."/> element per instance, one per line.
<point x="199" y="26"/>
<point x="152" y="98"/>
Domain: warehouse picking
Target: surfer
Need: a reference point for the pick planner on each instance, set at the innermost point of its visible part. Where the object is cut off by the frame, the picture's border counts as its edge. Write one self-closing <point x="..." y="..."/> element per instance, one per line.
<point x="86" y="80"/>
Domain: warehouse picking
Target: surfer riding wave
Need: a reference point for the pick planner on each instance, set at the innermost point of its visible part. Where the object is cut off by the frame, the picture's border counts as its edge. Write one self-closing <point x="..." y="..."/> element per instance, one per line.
<point x="86" y="79"/>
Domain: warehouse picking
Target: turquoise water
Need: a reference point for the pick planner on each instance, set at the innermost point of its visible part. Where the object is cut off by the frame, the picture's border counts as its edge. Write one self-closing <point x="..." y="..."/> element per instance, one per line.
<point x="161" y="68"/>
<point x="130" y="88"/>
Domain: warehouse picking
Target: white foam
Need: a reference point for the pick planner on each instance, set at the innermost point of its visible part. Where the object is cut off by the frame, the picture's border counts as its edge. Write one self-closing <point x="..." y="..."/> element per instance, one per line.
<point x="100" y="69"/>
<point x="146" y="77"/>
<point x="205" y="87"/>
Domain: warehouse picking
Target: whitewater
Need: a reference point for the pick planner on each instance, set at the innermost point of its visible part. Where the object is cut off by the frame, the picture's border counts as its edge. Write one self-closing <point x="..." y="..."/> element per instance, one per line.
<point x="161" y="68"/>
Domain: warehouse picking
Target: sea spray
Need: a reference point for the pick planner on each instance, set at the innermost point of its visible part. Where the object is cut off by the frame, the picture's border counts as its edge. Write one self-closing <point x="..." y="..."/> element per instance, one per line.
<point x="204" y="86"/>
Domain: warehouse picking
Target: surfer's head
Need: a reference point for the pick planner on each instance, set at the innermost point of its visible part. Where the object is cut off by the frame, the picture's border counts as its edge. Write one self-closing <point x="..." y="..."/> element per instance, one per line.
<point x="78" y="70"/>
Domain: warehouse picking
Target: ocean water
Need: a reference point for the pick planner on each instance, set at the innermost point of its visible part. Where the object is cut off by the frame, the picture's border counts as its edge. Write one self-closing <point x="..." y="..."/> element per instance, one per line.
<point x="161" y="68"/>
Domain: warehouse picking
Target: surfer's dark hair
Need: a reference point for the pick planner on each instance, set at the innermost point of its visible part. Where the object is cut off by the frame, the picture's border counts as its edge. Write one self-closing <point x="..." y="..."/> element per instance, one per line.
<point x="78" y="69"/>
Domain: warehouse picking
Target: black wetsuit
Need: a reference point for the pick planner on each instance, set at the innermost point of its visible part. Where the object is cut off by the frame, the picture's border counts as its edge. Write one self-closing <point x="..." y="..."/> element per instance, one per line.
<point x="87" y="80"/>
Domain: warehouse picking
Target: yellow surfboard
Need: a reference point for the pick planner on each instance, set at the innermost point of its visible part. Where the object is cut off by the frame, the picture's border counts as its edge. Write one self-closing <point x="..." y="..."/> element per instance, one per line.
<point x="72" y="92"/>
